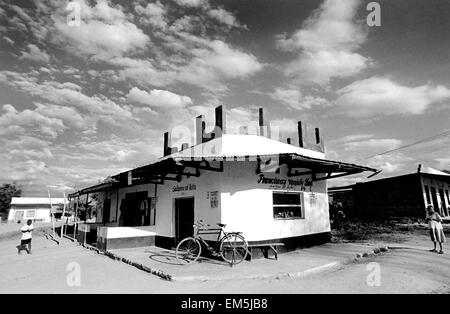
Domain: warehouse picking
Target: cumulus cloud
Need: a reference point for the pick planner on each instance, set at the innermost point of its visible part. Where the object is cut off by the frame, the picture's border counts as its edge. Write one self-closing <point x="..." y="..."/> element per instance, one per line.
<point x="13" y="121"/>
<point x="393" y="163"/>
<point x="158" y="98"/>
<point x="295" y="99"/>
<point x="67" y="94"/>
<point x="326" y="44"/>
<point x="35" y="54"/>
<point x="382" y="96"/>
<point x="105" y="32"/>
<point x="70" y="116"/>
<point x="183" y="52"/>
<point x="153" y="14"/>
<point x="205" y="63"/>
<point x="215" y="60"/>
<point x="29" y="146"/>
<point x="192" y="3"/>
<point x="27" y="170"/>
<point x="224" y="17"/>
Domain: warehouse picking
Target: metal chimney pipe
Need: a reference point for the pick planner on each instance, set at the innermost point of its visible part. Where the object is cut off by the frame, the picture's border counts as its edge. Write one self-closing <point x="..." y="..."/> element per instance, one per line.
<point x="199" y="129"/>
<point x="166" y="150"/>
<point x="261" y="122"/>
<point x="317" y="136"/>
<point x="300" y="134"/>
<point x="220" y="121"/>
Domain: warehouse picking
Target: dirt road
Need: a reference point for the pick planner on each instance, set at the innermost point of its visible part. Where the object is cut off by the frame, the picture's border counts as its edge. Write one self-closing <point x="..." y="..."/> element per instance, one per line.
<point x="50" y="269"/>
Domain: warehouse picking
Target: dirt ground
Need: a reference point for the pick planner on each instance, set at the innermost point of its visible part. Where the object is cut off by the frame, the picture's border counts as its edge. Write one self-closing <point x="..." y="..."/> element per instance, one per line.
<point x="406" y="268"/>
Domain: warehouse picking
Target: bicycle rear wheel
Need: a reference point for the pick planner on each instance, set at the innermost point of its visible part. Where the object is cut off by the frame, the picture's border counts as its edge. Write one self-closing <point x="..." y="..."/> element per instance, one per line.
<point x="188" y="251"/>
<point x="233" y="248"/>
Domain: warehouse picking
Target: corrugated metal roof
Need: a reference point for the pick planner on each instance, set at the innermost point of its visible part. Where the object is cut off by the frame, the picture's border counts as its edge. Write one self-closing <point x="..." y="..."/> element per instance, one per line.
<point x="429" y="170"/>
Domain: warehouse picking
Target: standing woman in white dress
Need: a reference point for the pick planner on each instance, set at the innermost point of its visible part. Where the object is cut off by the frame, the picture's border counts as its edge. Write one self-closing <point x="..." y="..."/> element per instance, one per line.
<point x="436" y="230"/>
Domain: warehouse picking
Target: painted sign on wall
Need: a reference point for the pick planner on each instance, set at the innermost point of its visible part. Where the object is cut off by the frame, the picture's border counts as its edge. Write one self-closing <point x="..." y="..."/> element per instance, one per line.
<point x="283" y="183"/>
<point x="182" y="188"/>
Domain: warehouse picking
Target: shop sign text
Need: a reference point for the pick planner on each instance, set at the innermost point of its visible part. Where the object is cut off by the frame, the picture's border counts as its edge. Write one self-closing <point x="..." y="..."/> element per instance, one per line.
<point x="282" y="183"/>
<point x="188" y="187"/>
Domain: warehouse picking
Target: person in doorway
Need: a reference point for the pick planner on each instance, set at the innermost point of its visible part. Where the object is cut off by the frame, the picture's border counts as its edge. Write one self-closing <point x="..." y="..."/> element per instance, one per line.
<point x="436" y="229"/>
<point x="27" y="234"/>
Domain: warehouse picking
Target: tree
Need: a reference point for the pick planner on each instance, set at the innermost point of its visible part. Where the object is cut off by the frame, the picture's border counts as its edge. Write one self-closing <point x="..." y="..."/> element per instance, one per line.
<point x="8" y="191"/>
<point x="86" y="205"/>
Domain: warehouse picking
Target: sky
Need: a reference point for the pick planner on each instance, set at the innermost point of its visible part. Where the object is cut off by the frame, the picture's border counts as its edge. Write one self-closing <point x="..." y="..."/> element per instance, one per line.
<point x="87" y="90"/>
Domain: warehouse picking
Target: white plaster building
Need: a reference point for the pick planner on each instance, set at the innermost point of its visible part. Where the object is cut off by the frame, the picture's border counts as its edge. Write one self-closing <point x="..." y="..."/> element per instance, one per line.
<point x="264" y="188"/>
<point x="34" y="208"/>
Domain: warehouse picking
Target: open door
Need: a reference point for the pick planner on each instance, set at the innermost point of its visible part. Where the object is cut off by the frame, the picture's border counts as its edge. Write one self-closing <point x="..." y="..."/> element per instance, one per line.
<point x="184" y="218"/>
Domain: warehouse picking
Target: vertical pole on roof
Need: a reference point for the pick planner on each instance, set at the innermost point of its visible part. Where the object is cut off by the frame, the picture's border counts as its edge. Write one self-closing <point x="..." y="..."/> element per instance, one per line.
<point x="51" y="211"/>
<point x="300" y="134"/>
<point x="199" y="129"/>
<point x="317" y="132"/>
<point x="166" y="144"/>
<point x="261" y="122"/>
<point x="220" y="120"/>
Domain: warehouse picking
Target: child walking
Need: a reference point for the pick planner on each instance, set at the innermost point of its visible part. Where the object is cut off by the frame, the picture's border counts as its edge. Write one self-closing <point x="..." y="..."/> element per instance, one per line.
<point x="27" y="234"/>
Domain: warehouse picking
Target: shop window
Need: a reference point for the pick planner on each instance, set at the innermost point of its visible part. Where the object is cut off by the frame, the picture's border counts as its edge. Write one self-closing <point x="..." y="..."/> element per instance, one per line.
<point x="30" y="214"/>
<point x="287" y="205"/>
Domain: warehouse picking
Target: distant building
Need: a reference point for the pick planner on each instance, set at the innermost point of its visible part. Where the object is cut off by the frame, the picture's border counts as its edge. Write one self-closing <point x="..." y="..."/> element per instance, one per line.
<point x="400" y="196"/>
<point x="35" y="208"/>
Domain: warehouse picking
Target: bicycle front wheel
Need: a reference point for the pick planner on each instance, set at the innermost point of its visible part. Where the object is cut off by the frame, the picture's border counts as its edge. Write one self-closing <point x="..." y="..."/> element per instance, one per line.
<point x="188" y="251"/>
<point x="233" y="248"/>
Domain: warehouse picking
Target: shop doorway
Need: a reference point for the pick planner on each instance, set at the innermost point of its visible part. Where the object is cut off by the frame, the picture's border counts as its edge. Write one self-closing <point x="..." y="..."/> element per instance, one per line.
<point x="184" y="218"/>
<point x="130" y="209"/>
<point x="106" y="210"/>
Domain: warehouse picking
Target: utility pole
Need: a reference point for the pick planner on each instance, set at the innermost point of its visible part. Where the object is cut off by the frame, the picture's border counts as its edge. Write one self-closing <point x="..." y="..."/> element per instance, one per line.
<point x="63" y="215"/>
<point x="51" y="211"/>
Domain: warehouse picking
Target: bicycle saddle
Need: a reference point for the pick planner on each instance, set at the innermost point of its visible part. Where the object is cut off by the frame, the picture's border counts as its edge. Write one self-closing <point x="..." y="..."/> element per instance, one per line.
<point x="221" y="225"/>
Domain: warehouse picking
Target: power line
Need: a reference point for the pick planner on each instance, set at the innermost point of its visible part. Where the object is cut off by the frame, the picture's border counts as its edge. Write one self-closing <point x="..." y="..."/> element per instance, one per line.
<point x="428" y="139"/>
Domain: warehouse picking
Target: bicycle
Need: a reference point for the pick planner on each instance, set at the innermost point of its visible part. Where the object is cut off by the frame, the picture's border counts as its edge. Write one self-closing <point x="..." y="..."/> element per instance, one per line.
<point x="232" y="246"/>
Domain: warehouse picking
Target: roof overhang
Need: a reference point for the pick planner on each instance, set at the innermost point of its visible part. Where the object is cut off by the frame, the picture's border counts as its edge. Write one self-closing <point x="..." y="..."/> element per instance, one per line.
<point x="93" y="189"/>
<point x="331" y="169"/>
<point x="175" y="168"/>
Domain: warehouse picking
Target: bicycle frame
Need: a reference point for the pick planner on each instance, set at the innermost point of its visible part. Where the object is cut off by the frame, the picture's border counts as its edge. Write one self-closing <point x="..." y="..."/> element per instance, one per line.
<point x="209" y="231"/>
